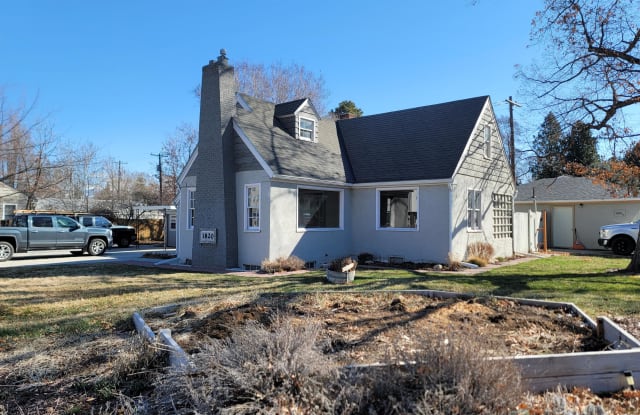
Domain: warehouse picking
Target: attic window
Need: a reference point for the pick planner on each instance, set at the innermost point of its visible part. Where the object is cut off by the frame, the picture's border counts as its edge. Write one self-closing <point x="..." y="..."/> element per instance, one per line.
<point x="487" y="141"/>
<point x="307" y="129"/>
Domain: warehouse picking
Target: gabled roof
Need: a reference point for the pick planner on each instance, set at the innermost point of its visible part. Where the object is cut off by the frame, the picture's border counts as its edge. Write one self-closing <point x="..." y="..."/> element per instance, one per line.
<point x="423" y="143"/>
<point x="288" y="108"/>
<point x="287" y="156"/>
<point x="564" y="188"/>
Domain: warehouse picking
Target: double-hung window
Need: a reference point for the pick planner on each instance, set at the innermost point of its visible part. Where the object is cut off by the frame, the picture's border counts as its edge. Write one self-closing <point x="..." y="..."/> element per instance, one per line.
<point x="191" y="218"/>
<point x="474" y="213"/>
<point x="398" y="209"/>
<point x="319" y="208"/>
<point x="252" y="207"/>
<point x="307" y="129"/>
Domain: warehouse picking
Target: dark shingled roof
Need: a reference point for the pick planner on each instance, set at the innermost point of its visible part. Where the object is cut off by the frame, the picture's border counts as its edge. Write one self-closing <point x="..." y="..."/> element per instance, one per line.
<point x="288" y="108"/>
<point x="563" y="188"/>
<point x="421" y="143"/>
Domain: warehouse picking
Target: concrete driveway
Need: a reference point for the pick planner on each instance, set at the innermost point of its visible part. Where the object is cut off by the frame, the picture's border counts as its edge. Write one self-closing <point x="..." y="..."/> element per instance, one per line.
<point x="130" y="254"/>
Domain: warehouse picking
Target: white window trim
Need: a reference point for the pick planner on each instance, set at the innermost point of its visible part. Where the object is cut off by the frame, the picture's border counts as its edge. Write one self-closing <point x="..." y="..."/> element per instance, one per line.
<point x="313" y="130"/>
<point x="329" y="189"/>
<point x="248" y="228"/>
<point x="4" y="209"/>
<point x="390" y="229"/>
<point x="189" y="226"/>
<point x="469" y="228"/>
<point x="487" y="141"/>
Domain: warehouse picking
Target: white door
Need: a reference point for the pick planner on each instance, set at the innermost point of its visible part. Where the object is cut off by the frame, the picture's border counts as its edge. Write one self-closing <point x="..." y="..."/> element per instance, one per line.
<point x="562" y="227"/>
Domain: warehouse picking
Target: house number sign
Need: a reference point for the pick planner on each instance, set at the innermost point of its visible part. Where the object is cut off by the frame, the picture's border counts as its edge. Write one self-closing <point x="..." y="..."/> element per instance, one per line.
<point x="208" y="236"/>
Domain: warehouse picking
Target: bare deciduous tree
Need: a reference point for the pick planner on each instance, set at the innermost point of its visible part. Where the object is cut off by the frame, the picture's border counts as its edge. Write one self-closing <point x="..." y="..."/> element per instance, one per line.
<point x="177" y="148"/>
<point x="279" y="83"/>
<point x="590" y="71"/>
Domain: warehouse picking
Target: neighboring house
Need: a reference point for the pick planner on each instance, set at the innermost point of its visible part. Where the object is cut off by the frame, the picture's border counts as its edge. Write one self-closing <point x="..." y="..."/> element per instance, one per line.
<point x="10" y="201"/>
<point x="576" y="208"/>
<point x="272" y="180"/>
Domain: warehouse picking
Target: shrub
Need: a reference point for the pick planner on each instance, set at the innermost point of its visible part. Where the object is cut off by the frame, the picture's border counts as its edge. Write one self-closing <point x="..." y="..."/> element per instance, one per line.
<point x="454" y="264"/>
<point x="451" y="375"/>
<point x="481" y="262"/>
<point x="282" y="264"/>
<point x="482" y="250"/>
<point x="338" y="264"/>
<point x="260" y="370"/>
<point x="365" y="257"/>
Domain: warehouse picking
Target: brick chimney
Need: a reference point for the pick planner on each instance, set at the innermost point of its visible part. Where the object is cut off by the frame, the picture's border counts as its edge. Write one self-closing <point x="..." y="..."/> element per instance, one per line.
<point x="215" y="239"/>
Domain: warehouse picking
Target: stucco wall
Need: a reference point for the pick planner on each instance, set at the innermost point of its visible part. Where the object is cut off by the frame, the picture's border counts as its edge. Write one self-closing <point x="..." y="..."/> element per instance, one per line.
<point x="184" y="235"/>
<point x="429" y="243"/>
<point x="253" y="246"/>
<point x="310" y="245"/>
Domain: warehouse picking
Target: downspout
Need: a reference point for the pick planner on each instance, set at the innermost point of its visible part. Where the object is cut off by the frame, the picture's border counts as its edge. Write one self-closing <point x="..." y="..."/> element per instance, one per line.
<point x="451" y="188"/>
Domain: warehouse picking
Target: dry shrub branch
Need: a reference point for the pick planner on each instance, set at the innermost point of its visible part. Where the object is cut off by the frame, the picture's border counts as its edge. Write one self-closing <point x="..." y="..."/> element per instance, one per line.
<point x="283" y="370"/>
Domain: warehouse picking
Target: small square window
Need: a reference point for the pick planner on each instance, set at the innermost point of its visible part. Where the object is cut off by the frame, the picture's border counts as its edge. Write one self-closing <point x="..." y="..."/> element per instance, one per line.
<point x="398" y="209"/>
<point x="307" y="129"/>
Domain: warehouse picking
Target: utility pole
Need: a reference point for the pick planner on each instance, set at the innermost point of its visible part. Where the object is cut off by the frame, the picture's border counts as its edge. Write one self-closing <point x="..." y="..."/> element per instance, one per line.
<point x="118" y="183"/>
<point x="512" y="141"/>
<point x="159" y="167"/>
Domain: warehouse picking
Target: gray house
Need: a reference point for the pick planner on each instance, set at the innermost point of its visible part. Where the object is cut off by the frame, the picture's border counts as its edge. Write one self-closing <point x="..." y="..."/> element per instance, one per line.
<point x="272" y="180"/>
<point x="576" y="208"/>
<point x="10" y="201"/>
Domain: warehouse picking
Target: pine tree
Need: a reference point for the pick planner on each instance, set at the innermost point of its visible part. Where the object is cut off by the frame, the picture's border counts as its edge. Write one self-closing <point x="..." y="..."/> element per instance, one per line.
<point x="580" y="146"/>
<point x="549" y="159"/>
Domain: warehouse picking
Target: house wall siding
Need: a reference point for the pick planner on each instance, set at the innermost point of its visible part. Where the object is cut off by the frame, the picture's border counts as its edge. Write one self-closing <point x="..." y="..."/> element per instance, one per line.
<point x="427" y="244"/>
<point x="490" y="175"/>
<point x="244" y="159"/>
<point x="310" y="245"/>
<point x="290" y="123"/>
<point x="253" y="246"/>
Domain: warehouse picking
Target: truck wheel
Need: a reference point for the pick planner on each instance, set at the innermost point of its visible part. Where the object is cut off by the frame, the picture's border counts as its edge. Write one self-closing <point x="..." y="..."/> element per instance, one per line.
<point x="96" y="247"/>
<point x="123" y="242"/>
<point x="6" y="251"/>
<point x="623" y="245"/>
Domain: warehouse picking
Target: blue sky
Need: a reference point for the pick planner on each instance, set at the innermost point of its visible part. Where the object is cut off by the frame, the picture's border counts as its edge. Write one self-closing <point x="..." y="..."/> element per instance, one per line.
<point x="120" y="74"/>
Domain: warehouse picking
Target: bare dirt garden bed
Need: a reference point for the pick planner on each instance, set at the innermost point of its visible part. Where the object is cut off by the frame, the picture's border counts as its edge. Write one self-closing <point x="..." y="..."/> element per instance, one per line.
<point x="362" y="328"/>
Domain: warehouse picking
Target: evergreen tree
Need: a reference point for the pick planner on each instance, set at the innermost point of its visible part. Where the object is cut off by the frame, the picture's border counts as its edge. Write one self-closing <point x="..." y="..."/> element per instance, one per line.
<point x="548" y="159"/>
<point x="344" y="108"/>
<point x="632" y="156"/>
<point x="580" y="146"/>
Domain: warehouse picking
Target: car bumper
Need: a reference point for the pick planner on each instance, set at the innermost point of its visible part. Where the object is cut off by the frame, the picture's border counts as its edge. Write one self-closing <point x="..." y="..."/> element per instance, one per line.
<point x="603" y="242"/>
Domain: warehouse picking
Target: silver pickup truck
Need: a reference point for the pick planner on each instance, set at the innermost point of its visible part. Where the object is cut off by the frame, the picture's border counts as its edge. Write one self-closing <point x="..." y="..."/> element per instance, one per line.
<point x="32" y="232"/>
<point x="621" y="237"/>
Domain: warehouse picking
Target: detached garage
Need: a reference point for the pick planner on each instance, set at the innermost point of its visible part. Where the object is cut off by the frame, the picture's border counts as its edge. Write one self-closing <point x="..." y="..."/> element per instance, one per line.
<point x="575" y="209"/>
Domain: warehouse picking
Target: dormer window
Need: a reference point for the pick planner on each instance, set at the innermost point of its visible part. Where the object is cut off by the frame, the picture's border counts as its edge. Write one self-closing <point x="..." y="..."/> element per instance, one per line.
<point x="307" y="129"/>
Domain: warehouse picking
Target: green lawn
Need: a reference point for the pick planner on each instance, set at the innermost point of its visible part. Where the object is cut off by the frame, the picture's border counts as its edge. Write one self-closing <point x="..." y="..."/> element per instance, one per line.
<point x="87" y="299"/>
